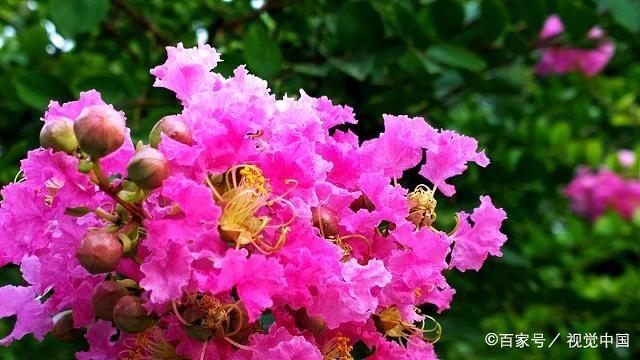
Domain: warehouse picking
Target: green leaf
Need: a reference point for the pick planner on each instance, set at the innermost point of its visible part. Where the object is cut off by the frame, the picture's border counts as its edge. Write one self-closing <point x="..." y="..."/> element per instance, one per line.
<point x="37" y="89"/>
<point x="626" y="13"/>
<point x="577" y="18"/>
<point x="112" y="88"/>
<point x="358" y="69"/>
<point x="261" y="52"/>
<point x="77" y="211"/>
<point x="593" y="152"/>
<point x="447" y="16"/>
<point x="359" y="27"/>
<point x="456" y="56"/>
<point x="77" y="16"/>
<point x="311" y="69"/>
<point x="406" y="24"/>
<point x="33" y="41"/>
<point x="494" y="19"/>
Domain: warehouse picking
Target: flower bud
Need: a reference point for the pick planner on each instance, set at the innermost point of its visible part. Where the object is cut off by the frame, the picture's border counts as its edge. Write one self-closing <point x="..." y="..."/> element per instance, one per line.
<point x="315" y="324"/>
<point x="172" y="127"/>
<point x="105" y="297"/>
<point x="199" y="333"/>
<point x="130" y="316"/>
<point x="57" y="134"/>
<point x="100" y="130"/>
<point x="63" y="329"/>
<point x="362" y="202"/>
<point x="99" y="251"/>
<point x="326" y="220"/>
<point x="148" y="168"/>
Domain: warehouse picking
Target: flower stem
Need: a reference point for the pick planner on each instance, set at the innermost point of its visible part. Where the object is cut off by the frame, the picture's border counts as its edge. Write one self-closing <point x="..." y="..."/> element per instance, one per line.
<point x="105" y="185"/>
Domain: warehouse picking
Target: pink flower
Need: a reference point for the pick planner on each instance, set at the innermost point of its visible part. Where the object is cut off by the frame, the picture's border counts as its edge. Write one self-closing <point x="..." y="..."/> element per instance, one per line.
<point x="30" y="315"/>
<point x="417" y="266"/>
<point x="100" y="346"/>
<point x="348" y="296"/>
<point x="592" y="194"/>
<point x="279" y="344"/>
<point x="553" y="26"/>
<point x="256" y="278"/>
<point x="187" y="71"/>
<point x="559" y="59"/>
<point x="167" y="272"/>
<point x="232" y="235"/>
<point x="72" y="109"/>
<point x="626" y="158"/>
<point x="448" y="157"/>
<point x="400" y="147"/>
<point x="416" y="349"/>
<point x="474" y="242"/>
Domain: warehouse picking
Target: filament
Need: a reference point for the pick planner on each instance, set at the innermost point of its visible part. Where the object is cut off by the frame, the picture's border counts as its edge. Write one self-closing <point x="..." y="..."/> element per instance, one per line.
<point x="180" y="318"/>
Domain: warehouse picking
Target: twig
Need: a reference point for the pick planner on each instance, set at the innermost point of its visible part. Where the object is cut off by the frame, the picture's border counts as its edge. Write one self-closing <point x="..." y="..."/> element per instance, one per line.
<point x="268" y="6"/>
<point x="141" y="21"/>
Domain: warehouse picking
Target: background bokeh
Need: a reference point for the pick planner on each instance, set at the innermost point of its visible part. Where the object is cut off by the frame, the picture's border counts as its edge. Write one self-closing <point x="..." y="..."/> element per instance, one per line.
<point x="465" y="65"/>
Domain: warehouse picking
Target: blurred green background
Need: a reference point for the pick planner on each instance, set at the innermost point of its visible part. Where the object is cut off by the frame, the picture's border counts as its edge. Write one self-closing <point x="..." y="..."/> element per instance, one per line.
<point x="464" y="65"/>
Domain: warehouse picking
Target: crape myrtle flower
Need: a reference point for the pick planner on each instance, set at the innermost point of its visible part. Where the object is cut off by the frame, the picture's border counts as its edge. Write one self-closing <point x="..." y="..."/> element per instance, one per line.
<point x="249" y="227"/>
<point x="593" y="193"/>
<point x="557" y="57"/>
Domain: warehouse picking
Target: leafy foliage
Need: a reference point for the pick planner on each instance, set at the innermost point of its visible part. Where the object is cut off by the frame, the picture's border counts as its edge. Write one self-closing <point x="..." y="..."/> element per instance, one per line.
<point x="463" y="64"/>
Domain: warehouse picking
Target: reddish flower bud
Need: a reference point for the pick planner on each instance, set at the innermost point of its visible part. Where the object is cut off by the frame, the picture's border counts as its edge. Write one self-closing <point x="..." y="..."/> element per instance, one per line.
<point x="362" y="202"/>
<point x="99" y="251"/>
<point x="63" y="329"/>
<point x="57" y="134"/>
<point x="315" y="324"/>
<point x="172" y="127"/>
<point x="148" y="168"/>
<point x="100" y="130"/>
<point x="326" y="220"/>
<point x="105" y="297"/>
<point x="130" y="316"/>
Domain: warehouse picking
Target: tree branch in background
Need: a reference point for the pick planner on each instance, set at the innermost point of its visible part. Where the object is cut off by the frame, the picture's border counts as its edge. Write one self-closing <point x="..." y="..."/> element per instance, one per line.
<point x="141" y="21"/>
<point x="268" y="6"/>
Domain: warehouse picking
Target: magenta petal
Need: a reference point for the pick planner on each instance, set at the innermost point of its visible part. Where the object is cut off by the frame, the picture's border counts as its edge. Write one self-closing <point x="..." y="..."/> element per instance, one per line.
<point x="30" y="315"/>
<point x="473" y="243"/>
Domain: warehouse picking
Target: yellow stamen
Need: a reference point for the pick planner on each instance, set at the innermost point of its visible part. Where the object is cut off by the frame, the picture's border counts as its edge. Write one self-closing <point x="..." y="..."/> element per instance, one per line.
<point x="223" y="319"/>
<point x="418" y="293"/>
<point x="390" y="321"/>
<point x="247" y="191"/>
<point x="337" y="348"/>
<point x="149" y="344"/>
<point x="422" y="206"/>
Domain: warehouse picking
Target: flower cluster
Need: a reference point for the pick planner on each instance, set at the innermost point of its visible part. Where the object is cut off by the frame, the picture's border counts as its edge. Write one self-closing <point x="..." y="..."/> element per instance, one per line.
<point x="248" y="228"/>
<point x="593" y="193"/>
<point x="558" y="58"/>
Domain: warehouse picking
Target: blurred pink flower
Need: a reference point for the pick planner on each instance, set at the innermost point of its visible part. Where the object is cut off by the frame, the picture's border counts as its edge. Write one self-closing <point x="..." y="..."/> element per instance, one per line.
<point x="626" y="158"/>
<point x="591" y="194"/>
<point x="560" y="58"/>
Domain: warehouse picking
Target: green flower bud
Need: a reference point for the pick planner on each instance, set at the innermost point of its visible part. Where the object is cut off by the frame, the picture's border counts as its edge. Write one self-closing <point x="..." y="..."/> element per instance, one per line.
<point x="57" y="134"/>
<point x="105" y="297"/>
<point x="129" y="315"/>
<point x="172" y="127"/>
<point x="99" y="251"/>
<point x="100" y="130"/>
<point x="63" y="329"/>
<point x="148" y="168"/>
